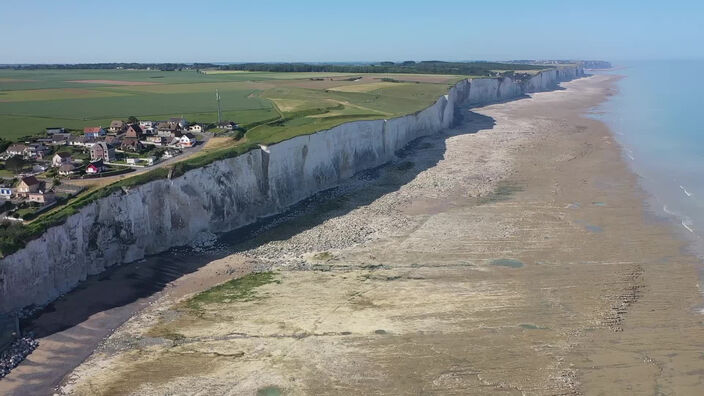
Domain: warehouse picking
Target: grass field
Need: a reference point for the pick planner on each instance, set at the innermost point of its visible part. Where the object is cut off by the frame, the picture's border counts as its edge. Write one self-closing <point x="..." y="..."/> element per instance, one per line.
<point x="31" y="100"/>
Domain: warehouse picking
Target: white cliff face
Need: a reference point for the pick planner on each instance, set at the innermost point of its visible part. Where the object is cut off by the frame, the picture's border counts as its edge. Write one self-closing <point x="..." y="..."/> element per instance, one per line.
<point x="228" y="194"/>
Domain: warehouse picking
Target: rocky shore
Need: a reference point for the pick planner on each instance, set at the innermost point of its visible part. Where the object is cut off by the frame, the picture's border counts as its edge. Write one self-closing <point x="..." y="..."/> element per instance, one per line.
<point x="15" y="353"/>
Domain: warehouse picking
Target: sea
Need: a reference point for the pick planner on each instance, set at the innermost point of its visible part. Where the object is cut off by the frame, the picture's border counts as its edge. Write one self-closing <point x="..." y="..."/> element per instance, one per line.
<point x="657" y="115"/>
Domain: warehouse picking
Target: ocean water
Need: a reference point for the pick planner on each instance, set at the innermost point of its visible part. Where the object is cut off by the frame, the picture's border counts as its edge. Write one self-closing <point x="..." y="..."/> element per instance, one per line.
<point x="658" y="117"/>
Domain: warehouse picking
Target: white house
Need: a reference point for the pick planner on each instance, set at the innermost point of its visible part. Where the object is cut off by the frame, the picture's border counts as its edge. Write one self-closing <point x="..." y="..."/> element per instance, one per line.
<point x="147" y="126"/>
<point x="196" y="128"/>
<point x="60" y="159"/>
<point x="17" y="149"/>
<point x="187" y="140"/>
<point x="227" y="125"/>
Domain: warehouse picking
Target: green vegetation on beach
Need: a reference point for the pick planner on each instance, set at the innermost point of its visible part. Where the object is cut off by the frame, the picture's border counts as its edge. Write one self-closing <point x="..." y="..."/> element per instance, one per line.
<point x="240" y="289"/>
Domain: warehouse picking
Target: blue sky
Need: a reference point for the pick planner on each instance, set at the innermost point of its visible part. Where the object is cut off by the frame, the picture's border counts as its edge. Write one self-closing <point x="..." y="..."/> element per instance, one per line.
<point x="69" y="31"/>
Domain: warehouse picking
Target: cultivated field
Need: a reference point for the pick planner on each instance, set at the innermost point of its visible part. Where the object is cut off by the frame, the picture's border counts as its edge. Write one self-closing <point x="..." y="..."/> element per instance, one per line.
<point x="35" y="99"/>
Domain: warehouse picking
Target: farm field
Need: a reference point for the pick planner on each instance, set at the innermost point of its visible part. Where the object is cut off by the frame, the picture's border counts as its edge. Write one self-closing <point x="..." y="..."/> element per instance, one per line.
<point x="31" y="100"/>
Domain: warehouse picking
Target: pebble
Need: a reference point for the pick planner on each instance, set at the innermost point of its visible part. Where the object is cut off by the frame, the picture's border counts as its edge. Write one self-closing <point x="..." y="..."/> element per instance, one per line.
<point x="16" y="353"/>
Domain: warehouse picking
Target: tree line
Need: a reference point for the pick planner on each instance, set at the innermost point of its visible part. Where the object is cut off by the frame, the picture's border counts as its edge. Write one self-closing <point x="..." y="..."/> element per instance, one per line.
<point x="424" y="67"/>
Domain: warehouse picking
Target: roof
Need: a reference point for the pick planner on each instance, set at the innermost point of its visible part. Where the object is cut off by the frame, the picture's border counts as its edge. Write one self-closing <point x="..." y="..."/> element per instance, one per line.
<point x="112" y="139"/>
<point x="117" y="124"/>
<point x="66" y="168"/>
<point x="130" y="142"/>
<point x="64" y="155"/>
<point x="17" y="147"/>
<point x="190" y="135"/>
<point x="92" y="129"/>
<point x="98" y="163"/>
<point x="136" y="128"/>
<point x="30" y="180"/>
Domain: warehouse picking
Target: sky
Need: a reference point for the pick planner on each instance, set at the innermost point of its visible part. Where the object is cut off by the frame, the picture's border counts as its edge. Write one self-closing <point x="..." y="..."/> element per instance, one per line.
<point x="71" y="31"/>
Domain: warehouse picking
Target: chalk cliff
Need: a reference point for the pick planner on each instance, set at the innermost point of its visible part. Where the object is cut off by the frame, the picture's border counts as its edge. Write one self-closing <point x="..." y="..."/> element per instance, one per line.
<point x="229" y="194"/>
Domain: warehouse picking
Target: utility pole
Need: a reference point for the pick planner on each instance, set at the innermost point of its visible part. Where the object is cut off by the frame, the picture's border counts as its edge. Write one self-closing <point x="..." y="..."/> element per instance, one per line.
<point x="217" y="97"/>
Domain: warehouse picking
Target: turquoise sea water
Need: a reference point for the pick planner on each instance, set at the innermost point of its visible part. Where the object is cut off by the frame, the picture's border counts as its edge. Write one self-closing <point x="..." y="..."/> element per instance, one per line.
<point x="658" y="117"/>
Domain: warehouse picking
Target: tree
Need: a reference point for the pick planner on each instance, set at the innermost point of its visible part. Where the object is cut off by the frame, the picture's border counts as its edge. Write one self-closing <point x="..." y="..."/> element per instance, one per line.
<point x="16" y="164"/>
<point x="132" y="120"/>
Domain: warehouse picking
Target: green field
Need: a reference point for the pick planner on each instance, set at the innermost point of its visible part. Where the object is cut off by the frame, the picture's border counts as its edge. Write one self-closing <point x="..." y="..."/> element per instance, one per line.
<point x="31" y="100"/>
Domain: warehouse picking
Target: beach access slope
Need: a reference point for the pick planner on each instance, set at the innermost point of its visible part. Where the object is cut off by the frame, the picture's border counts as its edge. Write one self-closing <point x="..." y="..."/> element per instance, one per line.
<point x="232" y="193"/>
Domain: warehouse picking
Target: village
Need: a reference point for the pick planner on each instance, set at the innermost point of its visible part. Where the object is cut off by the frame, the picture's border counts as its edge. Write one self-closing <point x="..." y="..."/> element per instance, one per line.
<point x="36" y="174"/>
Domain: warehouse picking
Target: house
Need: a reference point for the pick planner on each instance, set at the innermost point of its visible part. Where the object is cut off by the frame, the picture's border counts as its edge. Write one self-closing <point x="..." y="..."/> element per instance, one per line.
<point x="6" y="193"/>
<point x="157" y="140"/>
<point x="39" y="167"/>
<point x="16" y="149"/>
<point x="41" y="197"/>
<point x="113" y="140"/>
<point x="37" y="150"/>
<point x="67" y="169"/>
<point x="148" y="161"/>
<point x="93" y="132"/>
<point x="181" y="122"/>
<point x="134" y="131"/>
<point x="95" y="167"/>
<point x="227" y="125"/>
<point x="116" y="126"/>
<point x="187" y="140"/>
<point x="146" y="125"/>
<point x="197" y="128"/>
<point x="167" y="130"/>
<point x="102" y="152"/>
<point x="27" y="185"/>
<point x="59" y="139"/>
<point x="175" y="142"/>
<point x="170" y="154"/>
<point x="131" y="144"/>
<point x="60" y="159"/>
<point x="76" y="140"/>
<point x="54" y="130"/>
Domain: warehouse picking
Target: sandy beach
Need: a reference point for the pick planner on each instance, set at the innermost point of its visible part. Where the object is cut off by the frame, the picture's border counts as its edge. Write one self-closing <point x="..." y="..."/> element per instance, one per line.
<point x="510" y="255"/>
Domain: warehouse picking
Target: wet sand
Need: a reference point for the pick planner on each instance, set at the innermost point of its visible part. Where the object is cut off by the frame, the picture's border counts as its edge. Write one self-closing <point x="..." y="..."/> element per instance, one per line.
<point x="512" y="255"/>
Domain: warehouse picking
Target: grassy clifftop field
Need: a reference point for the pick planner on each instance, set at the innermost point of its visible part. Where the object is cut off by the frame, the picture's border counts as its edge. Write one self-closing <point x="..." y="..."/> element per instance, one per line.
<point x="31" y="100"/>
